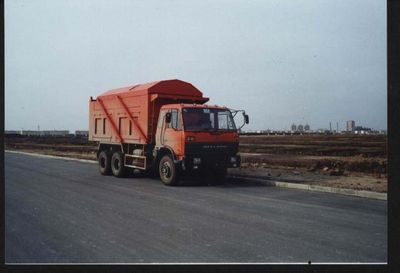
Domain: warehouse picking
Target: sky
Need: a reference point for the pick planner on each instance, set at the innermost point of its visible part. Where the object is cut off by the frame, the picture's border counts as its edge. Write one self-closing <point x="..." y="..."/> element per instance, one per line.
<point x="282" y="61"/>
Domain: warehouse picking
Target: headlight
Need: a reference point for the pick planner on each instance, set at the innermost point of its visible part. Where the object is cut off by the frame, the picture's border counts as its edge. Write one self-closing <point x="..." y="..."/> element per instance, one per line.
<point x="233" y="159"/>
<point x="196" y="160"/>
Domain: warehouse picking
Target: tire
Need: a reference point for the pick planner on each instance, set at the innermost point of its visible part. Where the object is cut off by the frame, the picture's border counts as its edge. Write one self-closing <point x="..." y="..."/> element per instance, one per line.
<point x="104" y="162"/>
<point x="169" y="173"/>
<point x="117" y="164"/>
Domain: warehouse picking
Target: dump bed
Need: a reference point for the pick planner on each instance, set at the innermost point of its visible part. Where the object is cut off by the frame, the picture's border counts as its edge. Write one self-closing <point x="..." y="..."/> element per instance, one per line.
<point x="130" y="114"/>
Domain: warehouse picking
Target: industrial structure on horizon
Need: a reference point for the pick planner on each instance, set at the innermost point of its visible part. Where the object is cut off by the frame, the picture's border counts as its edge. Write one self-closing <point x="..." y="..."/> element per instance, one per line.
<point x="350" y="126"/>
<point x="300" y="128"/>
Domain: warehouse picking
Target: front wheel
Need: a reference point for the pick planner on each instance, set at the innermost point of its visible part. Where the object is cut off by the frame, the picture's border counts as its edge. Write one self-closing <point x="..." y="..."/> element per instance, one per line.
<point x="169" y="174"/>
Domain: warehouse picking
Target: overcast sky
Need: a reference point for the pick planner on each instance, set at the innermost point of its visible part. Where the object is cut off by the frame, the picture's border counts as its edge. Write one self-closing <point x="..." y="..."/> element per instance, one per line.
<point x="308" y="61"/>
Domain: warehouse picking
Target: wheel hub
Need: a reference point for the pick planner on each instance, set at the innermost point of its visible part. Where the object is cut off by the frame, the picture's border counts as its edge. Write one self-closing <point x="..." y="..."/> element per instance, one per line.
<point x="166" y="170"/>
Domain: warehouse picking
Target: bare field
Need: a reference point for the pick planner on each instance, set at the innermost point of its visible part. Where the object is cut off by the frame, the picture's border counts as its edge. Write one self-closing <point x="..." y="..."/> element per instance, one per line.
<point x="351" y="153"/>
<point x="346" y="161"/>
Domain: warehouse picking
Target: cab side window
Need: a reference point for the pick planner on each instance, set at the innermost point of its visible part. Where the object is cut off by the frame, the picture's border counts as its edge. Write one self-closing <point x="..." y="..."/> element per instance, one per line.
<point x="161" y="118"/>
<point x="175" y="120"/>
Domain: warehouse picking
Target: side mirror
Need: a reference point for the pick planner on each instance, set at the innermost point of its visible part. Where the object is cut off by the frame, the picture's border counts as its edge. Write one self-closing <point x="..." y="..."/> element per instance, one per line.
<point x="246" y="118"/>
<point x="168" y="117"/>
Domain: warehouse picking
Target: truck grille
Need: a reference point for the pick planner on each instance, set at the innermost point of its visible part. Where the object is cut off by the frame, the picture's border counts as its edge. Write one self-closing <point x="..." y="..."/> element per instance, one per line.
<point x="211" y="148"/>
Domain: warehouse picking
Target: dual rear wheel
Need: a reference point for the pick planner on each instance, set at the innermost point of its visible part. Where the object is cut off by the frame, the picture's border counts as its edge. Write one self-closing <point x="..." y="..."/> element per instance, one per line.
<point x="111" y="163"/>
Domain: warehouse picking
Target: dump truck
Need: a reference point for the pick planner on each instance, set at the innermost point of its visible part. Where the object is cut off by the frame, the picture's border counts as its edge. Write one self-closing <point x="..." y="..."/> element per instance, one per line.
<point x="165" y="128"/>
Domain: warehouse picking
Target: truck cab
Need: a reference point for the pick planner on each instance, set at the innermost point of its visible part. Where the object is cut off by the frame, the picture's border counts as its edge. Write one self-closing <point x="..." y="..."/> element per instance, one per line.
<point x="200" y="138"/>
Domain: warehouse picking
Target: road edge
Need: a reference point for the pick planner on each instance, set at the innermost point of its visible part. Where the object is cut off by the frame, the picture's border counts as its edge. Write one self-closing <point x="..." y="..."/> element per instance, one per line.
<point x="317" y="188"/>
<point x="52" y="156"/>
<point x="298" y="186"/>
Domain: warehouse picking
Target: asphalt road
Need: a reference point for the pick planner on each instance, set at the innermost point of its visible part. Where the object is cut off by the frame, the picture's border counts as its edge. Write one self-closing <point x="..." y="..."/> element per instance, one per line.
<point x="60" y="211"/>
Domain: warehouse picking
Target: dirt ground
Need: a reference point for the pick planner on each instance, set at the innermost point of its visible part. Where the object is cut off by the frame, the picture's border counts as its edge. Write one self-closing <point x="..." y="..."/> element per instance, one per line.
<point x="353" y="180"/>
<point x="344" y="161"/>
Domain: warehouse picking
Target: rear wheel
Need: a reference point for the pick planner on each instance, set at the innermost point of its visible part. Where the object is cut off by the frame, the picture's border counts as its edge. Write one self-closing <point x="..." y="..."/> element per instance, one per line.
<point x="169" y="174"/>
<point x="117" y="164"/>
<point x="105" y="162"/>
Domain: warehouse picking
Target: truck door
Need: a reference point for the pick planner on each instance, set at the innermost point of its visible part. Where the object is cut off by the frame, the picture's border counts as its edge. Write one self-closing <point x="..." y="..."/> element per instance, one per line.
<point x="170" y="134"/>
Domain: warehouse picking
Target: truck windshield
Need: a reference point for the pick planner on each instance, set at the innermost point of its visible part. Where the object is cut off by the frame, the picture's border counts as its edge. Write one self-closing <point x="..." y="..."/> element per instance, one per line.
<point x="208" y="119"/>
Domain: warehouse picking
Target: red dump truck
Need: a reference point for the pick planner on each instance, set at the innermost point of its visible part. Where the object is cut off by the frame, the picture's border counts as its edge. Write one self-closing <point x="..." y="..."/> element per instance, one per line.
<point x="163" y="127"/>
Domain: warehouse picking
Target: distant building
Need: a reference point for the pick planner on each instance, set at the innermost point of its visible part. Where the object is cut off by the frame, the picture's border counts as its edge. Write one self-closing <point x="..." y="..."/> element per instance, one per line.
<point x="300" y="128"/>
<point x="306" y="127"/>
<point x="55" y="133"/>
<point x="324" y="131"/>
<point x="81" y="133"/>
<point x="31" y="133"/>
<point x="358" y="128"/>
<point x="45" y="133"/>
<point x="350" y="126"/>
<point x="362" y="130"/>
<point x="12" y="132"/>
<point x="294" y="127"/>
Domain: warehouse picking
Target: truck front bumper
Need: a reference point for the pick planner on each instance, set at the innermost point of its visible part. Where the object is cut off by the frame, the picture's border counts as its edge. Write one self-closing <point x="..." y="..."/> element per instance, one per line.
<point x="194" y="162"/>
